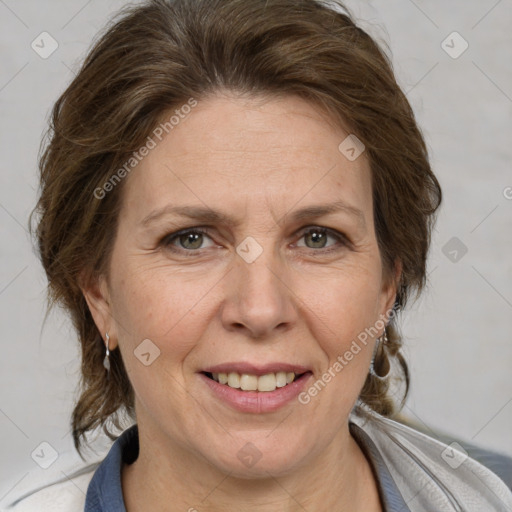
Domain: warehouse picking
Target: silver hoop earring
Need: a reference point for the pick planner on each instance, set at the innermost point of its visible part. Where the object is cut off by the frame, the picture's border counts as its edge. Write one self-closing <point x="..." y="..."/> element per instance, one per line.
<point x="381" y="344"/>
<point x="106" y="361"/>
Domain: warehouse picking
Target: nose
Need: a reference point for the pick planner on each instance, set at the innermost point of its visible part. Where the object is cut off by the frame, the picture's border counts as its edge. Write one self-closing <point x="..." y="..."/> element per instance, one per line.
<point x="258" y="300"/>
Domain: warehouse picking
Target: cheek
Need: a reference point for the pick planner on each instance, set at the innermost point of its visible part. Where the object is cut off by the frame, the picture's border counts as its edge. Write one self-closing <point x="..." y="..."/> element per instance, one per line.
<point x="344" y="315"/>
<point x="345" y="301"/>
<point x="163" y="305"/>
<point x="340" y="322"/>
<point x="170" y="311"/>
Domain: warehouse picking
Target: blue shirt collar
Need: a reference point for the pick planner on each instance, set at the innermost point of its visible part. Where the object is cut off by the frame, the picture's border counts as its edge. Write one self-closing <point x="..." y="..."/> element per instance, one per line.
<point x="105" y="494"/>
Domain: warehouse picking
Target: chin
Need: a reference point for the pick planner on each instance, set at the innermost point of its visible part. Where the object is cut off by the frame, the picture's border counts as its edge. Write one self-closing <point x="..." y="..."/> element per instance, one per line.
<point x="257" y="456"/>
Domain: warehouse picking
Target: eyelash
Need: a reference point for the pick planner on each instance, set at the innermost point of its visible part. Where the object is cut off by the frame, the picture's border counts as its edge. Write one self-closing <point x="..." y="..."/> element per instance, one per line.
<point x="168" y="239"/>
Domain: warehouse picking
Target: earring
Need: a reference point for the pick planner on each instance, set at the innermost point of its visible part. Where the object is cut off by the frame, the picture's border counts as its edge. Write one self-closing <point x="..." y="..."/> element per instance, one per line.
<point x="106" y="361"/>
<point x="380" y="345"/>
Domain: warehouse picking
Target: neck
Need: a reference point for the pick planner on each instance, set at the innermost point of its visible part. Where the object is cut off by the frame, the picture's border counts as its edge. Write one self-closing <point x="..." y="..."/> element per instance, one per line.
<point x="175" y="479"/>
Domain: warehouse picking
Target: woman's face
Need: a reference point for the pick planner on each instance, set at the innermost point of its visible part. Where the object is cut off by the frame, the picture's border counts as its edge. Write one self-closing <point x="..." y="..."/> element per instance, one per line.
<point x="264" y="290"/>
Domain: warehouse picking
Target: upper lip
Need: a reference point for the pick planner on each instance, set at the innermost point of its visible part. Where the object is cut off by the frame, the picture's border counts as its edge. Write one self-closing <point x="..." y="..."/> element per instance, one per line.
<point x="254" y="369"/>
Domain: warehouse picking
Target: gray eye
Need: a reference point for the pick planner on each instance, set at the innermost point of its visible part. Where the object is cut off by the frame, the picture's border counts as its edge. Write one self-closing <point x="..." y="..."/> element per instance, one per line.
<point x="317" y="237"/>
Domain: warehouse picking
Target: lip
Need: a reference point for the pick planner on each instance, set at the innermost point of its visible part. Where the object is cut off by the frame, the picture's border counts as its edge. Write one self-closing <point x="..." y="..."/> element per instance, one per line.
<point x="256" y="402"/>
<point x="258" y="370"/>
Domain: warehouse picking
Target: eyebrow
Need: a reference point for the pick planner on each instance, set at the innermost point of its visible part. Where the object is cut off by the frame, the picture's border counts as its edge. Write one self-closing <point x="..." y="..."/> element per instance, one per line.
<point x="208" y="215"/>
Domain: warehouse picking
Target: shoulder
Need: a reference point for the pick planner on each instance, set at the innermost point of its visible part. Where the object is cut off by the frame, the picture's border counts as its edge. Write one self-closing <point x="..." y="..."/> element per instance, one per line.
<point x="66" y="495"/>
<point x="498" y="463"/>
<point x="445" y="473"/>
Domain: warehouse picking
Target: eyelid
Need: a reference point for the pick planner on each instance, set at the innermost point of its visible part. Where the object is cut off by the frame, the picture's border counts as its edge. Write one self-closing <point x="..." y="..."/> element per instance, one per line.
<point x="334" y="233"/>
<point x="206" y="230"/>
<point x="166" y="240"/>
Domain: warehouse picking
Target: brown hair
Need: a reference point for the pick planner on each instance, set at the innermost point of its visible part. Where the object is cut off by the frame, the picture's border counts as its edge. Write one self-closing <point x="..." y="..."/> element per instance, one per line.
<point x="157" y="56"/>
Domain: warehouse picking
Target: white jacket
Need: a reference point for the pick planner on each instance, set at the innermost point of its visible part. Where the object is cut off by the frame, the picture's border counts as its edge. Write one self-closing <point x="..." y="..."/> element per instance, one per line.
<point x="64" y="496"/>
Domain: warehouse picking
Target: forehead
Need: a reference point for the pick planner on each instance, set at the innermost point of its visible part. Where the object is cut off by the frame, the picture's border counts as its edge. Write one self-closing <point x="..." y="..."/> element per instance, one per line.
<point x="265" y="154"/>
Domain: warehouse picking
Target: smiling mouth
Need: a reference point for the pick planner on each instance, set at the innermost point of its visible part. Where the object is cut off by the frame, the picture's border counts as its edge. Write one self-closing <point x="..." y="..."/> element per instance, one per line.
<point x="247" y="382"/>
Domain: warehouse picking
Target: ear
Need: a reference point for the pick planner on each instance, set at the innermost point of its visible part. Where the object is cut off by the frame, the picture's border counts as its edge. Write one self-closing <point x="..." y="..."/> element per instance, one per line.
<point x="390" y="287"/>
<point x="96" y="294"/>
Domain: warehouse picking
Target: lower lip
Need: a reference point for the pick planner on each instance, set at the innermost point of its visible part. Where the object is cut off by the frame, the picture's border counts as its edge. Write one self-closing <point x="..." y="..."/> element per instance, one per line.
<point x="257" y="401"/>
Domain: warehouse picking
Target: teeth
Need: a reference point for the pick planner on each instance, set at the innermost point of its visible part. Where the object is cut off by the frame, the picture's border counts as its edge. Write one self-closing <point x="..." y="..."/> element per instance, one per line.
<point x="281" y="379"/>
<point x="247" y="382"/>
<point x="267" y="382"/>
<point x="233" y="380"/>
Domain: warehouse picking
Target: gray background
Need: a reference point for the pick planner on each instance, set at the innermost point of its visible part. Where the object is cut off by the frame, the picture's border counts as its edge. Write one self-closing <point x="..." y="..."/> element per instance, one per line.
<point x="458" y="335"/>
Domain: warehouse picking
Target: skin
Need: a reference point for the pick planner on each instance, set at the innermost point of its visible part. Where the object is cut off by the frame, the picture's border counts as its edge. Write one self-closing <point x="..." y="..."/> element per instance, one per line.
<point x="257" y="161"/>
